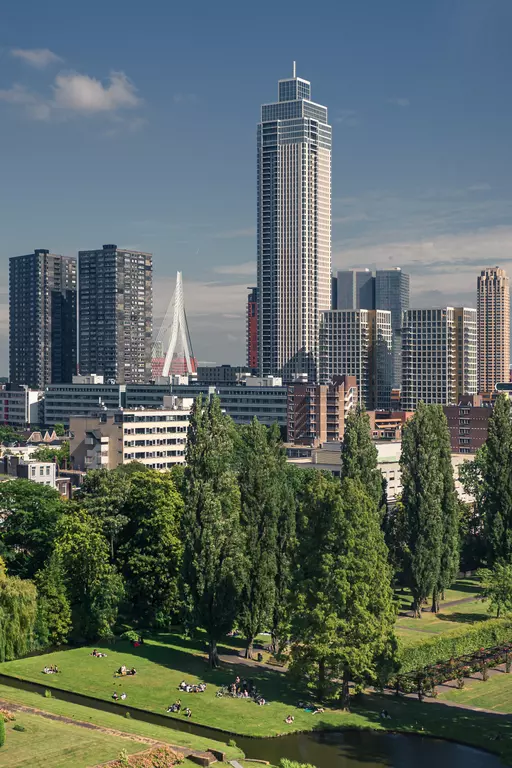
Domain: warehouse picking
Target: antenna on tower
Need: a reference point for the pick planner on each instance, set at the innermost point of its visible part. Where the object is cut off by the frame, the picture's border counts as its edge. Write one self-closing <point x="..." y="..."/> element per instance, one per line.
<point x="294" y="69"/>
<point x="179" y="357"/>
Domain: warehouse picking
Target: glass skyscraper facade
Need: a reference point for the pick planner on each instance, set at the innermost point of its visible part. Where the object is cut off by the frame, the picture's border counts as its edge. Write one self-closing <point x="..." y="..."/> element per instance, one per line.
<point x="392" y="289"/>
<point x="294" y="230"/>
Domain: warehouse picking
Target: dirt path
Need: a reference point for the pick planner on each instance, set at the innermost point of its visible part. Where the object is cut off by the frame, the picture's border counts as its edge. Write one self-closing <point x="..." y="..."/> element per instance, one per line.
<point x="448" y="604"/>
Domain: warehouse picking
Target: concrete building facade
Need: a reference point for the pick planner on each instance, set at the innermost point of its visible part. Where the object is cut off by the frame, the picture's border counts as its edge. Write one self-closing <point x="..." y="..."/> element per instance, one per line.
<point x="493" y="305"/>
<point x="115" y="314"/>
<point x="42" y="318"/>
<point x="20" y="406"/>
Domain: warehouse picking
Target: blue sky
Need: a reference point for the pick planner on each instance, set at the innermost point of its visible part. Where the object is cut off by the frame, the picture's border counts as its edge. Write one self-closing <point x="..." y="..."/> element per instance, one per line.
<point x="135" y="123"/>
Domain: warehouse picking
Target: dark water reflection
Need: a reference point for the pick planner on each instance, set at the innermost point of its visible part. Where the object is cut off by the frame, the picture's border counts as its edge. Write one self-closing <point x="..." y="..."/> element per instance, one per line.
<point x="342" y="749"/>
<point x="367" y="749"/>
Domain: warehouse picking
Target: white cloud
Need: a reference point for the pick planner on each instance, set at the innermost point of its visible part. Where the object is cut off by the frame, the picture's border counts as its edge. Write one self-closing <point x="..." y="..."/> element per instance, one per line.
<point x="81" y="93"/>
<point x="399" y="101"/>
<point x="483" y="187"/>
<point x="36" y="57"/>
<point x="35" y="107"/>
<point x="247" y="268"/>
<point x="347" y="116"/>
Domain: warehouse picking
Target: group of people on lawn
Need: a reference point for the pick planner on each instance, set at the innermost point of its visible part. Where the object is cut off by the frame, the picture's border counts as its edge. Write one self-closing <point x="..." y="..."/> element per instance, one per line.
<point x="188" y="688"/>
<point x="53" y="670"/>
<point x="176" y="707"/>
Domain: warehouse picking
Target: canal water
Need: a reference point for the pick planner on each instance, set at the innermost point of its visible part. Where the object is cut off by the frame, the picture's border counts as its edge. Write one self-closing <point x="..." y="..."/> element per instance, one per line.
<point x="333" y="749"/>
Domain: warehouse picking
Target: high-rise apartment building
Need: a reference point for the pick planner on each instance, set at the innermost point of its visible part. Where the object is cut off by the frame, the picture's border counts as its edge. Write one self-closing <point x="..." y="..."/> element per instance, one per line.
<point x="439" y="356"/>
<point x="493" y="303"/>
<point x="354" y="289"/>
<point x="392" y="287"/>
<point x="358" y="343"/>
<point x="294" y="230"/>
<point x="115" y="314"/>
<point x="317" y="412"/>
<point x="42" y="319"/>
<point x="252" y="329"/>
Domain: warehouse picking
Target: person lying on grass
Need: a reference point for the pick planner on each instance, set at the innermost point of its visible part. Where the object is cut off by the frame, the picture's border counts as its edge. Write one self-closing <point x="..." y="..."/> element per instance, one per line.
<point x="187" y="688"/>
<point x="176" y="707"/>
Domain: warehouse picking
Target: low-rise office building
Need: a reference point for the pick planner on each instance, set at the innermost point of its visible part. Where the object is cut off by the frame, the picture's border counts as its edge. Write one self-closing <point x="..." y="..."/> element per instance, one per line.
<point x="20" y="406"/>
<point x="42" y="472"/>
<point x="154" y="437"/>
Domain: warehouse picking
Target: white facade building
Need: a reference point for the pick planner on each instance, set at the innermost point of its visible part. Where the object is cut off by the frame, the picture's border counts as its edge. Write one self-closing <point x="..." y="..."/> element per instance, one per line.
<point x="294" y="230"/>
<point x="154" y="437"/>
<point x="439" y="356"/>
<point x="20" y="406"/>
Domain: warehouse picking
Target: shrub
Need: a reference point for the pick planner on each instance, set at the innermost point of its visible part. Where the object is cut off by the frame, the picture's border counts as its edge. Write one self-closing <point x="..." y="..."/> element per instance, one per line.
<point x="161" y="757"/>
<point x="18" y="727"/>
<point x="293" y="764"/>
<point x="2" y="732"/>
<point x="130" y="635"/>
<point x="231" y="743"/>
<point x="47" y="694"/>
<point x="454" y="644"/>
<point x="6" y="715"/>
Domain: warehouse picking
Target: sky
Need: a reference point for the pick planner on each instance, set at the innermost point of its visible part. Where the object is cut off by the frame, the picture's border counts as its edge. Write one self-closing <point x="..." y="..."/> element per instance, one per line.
<point x="135" y="123"/>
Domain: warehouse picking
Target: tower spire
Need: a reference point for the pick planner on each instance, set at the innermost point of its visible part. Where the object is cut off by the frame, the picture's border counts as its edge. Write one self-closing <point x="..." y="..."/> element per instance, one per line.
<point x="174" y="332"/>
<point x="294" y="69"/>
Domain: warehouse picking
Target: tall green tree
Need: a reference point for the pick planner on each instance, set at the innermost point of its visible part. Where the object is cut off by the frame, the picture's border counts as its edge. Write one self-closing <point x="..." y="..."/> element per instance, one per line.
<point x="54" y="610"/>
<point x="18" y="613"/>
<point x="285" y="550"/>
<point x="423" y="488"/>
<point x="30" y="514"/>
<point x="450" y="511"/>
<point x="497" y="483"/>
<point x="51" y="453"/>
<point x="261" y="474"/>
<point x="472" y="515"/>
<point x="151" y="550"/>
<point x="497" y="587"/>
<point x="342" y="624"/>
<point x="359" y="457"/>
<point x="214" y="560"/>
<point x="103" y="494"/>
<point x="93" y="586"/>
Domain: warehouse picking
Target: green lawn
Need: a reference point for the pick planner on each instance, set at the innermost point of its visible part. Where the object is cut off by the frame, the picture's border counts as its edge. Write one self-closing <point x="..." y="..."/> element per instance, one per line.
<point x="59" y="745"/>
<point x="495" y="693"/>
<point x="116" y="722"/>
<point x="163" y="664"/>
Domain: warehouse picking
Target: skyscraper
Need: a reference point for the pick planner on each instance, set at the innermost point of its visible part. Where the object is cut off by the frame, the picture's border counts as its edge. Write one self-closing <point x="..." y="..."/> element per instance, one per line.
<point x="392" y="293"/>
<point x="355" y="289"/>
<point x="115" y="314"/>
<point x="294" y="230"/>
<point x="357" y="342"/>
<point x="42" y="319"/>
<point x="439" y="356"/>
<point x="252" y="329"/>
<point x="493" y="306"/>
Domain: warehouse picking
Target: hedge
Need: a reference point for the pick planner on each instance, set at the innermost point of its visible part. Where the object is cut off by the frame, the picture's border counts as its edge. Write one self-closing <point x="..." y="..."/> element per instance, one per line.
<point x="451" y="645"/>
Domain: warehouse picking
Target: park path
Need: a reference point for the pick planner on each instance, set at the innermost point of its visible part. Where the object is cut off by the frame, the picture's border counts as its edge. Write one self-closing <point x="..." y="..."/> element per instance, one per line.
<point x="448" y="604"/>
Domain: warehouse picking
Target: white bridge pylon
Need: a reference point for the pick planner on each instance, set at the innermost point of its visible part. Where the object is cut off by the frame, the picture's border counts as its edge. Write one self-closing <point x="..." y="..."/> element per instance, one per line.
<point x="175" y="327"/>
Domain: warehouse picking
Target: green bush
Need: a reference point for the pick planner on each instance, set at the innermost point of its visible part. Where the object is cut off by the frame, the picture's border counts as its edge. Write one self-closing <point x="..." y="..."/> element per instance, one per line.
<point x="2" y="732"/>
<point x="130" y="635"/>
<point x="231" y="743"/>
<point x="47" y="694"/>
<point x="18" y="727"/>
<point x="451" y="645"/>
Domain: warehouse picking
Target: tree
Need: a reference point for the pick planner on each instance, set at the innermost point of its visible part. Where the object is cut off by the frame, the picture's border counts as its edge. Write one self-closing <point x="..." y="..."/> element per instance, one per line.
<point x="18" y="611"/>
<point x="214" y="560"/>
<point x="497" y="483"/>
<point x="450" y="511"/>
<point x="423" y="488"/>
<point x="394" y="526"/>
<point x="8" y="434"/>
<point x="103" y="494"/>
<point x="497" y="587"/>
<point x="359" y="457"/>
<point x="29" y="514"/>
<point x="285" y="549"/>
<point x="48" y="453"/>
<point x="261" y="475"/>
<point x="53" y="604"/>
<point x="472" y="516"/>
<point x="2" y="731"/>
<point x="344" y="613"/>
<point x="93" y="585"/>
<point x="59" y="429"/>
<point x="150" y="550"/>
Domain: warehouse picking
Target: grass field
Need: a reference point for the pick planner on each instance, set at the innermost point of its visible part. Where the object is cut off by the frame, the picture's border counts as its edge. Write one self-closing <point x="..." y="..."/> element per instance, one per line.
<point x="116" y="722"/>
<point x="412" y="631"/>
<point x="495" y="693"/>
<point x="59" y="745"/>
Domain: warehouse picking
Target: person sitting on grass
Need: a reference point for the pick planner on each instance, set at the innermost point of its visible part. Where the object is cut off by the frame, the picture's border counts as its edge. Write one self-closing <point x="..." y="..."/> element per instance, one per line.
<point x="289" y="720"/>
<point x="133" y="671"/>
<point x="115" y="695"/>
<point x="187" y="712"/>
<point x="182" y="686"/>
<point x="261" y="701"/>
<point x="123" y="696"/>
<point x="384" y="715"/>
<point x="318" y="711"/>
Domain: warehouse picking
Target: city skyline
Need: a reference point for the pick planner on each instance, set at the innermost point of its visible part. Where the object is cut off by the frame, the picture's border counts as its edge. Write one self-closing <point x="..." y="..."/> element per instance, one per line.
<point x="419" y="158"/>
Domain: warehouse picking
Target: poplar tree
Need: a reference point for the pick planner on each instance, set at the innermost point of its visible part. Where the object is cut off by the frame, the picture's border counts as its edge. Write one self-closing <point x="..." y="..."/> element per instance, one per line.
<point x="54" y="611"/>
<point x="359" y="457"/>
<point x="344" y="611"/>
<point x="261" y="476"/>
<point x="450" y="510"/>
<point x="423" y="489"/>
<point x="497" y="483"/>
<point x="214" y="560"/>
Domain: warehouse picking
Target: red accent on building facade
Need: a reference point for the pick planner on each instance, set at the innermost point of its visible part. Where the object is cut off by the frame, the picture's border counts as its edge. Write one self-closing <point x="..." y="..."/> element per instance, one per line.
<point x="252" y="329"/>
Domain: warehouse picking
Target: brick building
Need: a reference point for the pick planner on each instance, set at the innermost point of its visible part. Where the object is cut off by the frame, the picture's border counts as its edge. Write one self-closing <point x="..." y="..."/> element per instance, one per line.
<point x="316" y="412"/>
<point x="468" y="422"/>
